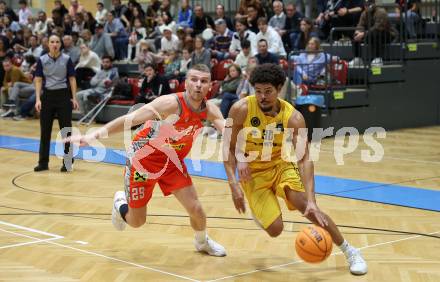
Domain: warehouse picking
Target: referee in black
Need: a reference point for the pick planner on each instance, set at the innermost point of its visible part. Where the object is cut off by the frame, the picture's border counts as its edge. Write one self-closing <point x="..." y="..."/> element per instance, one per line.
<point x="55" y="90"/>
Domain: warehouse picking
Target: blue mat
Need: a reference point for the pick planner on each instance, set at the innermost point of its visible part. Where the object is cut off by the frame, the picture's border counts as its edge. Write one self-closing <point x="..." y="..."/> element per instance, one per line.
<point x="326" y="185"/>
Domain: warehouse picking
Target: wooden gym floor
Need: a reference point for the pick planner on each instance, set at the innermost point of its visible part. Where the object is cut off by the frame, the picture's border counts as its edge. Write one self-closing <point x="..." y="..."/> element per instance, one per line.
<point x="56" y="227"/>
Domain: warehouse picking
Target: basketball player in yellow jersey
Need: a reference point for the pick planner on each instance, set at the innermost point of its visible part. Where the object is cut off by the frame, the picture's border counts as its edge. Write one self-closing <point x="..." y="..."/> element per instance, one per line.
<point x="260" y="124"/>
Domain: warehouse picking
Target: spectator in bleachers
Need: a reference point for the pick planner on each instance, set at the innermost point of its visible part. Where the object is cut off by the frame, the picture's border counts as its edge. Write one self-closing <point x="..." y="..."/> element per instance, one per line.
<point x="264" y="56"/>
<point x="166" y="21"/>
<point x="101" y="43"/>
<point x="21" y="89"/>
<point x="57" y="19"/>
<point x="374" y="19"/>
<point x="23" y="13"/>
<point x="7" y="11"/>
<point x="144" y="56"/>
<point x="307" y="32"/>
<point x="245" y="88"/>
<point x="32" y="22"/>
<point x="242" y="33"/>
<point x="169" y="41"/>
<point x="89" y="22"/>
<point x="77" y="40"/>
<point x="27" y="64"/>
<point x="45" y="45"/>
<point x="60" y="8"/>
<point x="70" y="49"/>
<point x="86" y="36"/>
<point x="311" y="65"/>
<point x="27" y="33"/>
<point x="137" y="13"/>
<point x="34" y="49"/>
<point x="185" y="15"/>
<point x="134" y="11"/>
<point x="138" y="33"/>
<point x="41" y="25"/>
<point x="184" y="64"/>
<point x="75" y="8"/>
<point x="201" y="21"/>
<point x="12" y="75"/>
<point x="201" y="55"/>
<point x="78" y="23"/>
<point x="119" y="36"/>
<point x="172" y="66"/>
<point x="152" y="14"/>
<point x="153" y="86"/>
<point x="222" y="40"/>
<point x="228" y="89"/>
<point x="100" y="83"/>
<point x="292" y="29"/>
<point x="89" y="64"/>
<point x="252" y="18"/>
<point x="166" y="6"/>
<point x="412" y="18"/>
<point x="243" y="57"/>
<point x="340" y="13"/>
<point x="242" y="12"/>
<point x="12" y="25"/>
<point x="272" y="37"/>
<point x="278" y="20"/>
<point x="220" y="14"/>
<point x="67" y="24"/>
<point x="120" y="11"/>
<point x="101" y="13"/>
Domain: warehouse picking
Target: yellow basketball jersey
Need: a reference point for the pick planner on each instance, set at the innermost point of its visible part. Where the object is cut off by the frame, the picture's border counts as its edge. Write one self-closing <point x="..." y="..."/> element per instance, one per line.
<point x="265" y="134"/>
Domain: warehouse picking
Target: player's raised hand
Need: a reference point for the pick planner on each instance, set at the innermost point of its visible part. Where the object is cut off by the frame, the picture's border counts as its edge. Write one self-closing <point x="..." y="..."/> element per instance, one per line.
<point x="314" y="214"/>
<point x="237" y="197"/>
<point x="244" y="171"/>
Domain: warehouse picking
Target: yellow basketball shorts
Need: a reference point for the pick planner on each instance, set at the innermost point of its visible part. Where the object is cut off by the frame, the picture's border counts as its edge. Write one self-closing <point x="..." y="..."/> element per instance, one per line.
<point x="264" y="187"/>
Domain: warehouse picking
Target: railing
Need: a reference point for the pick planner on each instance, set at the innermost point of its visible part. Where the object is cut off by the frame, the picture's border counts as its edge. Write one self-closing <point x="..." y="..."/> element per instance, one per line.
<point x="421" y="21"/>
<point x="324" y="74"/>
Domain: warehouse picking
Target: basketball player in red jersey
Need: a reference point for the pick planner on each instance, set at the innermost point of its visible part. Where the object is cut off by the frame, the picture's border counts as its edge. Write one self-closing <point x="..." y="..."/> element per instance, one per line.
<point x="157" y="152"/>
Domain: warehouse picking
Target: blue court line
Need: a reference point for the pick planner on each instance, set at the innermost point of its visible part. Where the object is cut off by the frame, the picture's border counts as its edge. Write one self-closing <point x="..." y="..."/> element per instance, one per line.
<point x="327" y="185"/>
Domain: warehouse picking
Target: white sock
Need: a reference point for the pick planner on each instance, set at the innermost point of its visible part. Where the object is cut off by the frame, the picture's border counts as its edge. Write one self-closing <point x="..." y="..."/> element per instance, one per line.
<point x="201" y="236"/>
<point x="344" y="246"/>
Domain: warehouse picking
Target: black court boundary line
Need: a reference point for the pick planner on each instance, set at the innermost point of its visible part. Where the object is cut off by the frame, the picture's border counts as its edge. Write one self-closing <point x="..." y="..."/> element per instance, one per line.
<point x="83" y="215"/>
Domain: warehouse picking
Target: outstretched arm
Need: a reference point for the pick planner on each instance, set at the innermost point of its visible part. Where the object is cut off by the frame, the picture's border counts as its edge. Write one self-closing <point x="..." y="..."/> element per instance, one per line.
<point x="161" y="108"/>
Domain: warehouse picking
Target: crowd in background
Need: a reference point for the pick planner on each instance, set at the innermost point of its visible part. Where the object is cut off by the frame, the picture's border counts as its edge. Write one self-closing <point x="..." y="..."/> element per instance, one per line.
<point x="165" y="40"/>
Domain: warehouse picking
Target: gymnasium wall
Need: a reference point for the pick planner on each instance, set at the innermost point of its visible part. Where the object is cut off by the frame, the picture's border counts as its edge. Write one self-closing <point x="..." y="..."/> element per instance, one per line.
<point x="408" y="96"/>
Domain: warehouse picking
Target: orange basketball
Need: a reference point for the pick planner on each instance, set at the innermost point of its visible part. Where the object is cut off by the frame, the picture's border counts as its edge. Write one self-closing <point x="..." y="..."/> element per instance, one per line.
<point x="313" y="244"/>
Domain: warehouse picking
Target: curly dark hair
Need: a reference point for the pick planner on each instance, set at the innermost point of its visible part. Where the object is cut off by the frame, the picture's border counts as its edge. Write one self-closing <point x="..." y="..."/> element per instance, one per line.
<point x="268" y="73"/>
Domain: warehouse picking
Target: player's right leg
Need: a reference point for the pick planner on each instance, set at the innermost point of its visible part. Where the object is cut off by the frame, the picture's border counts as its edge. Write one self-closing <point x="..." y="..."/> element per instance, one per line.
<point x="263" y="203"/>
<point x="122" y="214"/>
<point x="130" y="207"/>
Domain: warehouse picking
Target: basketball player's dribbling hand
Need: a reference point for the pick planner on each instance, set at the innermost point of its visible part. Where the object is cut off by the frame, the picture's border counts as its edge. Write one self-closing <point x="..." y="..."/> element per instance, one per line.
<point x="238" y="198"/>
<point x="313" y="211"/>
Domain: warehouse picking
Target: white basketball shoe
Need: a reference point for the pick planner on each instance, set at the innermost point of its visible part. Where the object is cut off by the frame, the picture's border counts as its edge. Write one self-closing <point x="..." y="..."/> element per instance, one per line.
<point x="357" y="264"/>
<point x="210" y="247"/>
<point x="117" y="220"/>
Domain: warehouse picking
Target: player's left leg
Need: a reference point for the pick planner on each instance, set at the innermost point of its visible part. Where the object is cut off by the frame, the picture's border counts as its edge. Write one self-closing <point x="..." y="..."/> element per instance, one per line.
<point x="187" y="196"/>
<point x="357" y="264"/>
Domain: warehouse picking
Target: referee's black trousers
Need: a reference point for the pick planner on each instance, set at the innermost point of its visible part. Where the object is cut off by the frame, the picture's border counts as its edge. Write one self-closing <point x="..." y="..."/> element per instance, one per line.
<point x="54" y="102"/>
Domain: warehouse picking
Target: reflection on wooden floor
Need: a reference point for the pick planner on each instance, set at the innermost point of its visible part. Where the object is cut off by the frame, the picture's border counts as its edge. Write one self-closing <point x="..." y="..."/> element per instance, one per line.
<point x="56" y="227"/>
